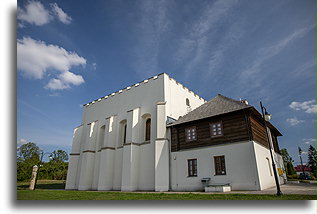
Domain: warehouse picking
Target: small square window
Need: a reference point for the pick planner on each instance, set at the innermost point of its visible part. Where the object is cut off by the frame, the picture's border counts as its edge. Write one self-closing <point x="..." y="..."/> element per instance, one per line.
<point x="190" y="133"/>
<point x="216" y="129"/>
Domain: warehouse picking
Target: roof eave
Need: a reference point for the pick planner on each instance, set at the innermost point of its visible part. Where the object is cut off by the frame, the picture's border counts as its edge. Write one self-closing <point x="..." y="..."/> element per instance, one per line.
<point x="270" y="125"/>
<point x="174" y="124"/>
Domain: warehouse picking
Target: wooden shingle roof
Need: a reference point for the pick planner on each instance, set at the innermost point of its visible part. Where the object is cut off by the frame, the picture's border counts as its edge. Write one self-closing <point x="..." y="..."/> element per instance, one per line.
<point x="216" y="106"/>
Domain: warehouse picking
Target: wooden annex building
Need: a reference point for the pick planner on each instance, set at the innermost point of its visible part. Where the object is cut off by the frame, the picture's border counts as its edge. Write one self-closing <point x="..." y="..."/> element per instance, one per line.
<point x="234" y="133"/>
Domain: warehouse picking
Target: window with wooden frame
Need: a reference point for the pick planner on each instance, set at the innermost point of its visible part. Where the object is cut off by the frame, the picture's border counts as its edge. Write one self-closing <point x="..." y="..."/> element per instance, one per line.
<point x="220" y="165"/>
<point x="190" y="133"/>
<point x="148" y="129"/>
<point x="216" y="129"/>
<point x="192" y="167"/>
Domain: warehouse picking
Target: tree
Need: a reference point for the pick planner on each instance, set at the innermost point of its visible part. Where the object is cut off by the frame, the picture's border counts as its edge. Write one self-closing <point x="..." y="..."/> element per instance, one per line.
<point x="29" y="152"/>
<point x="290" y="169"/>
<point x="28" y="155"/>
<point x="288" y="162"/>
<point x="57" y="167"/>
<point x="59" y="156"/>
<point x="312" y="159"/>
<point x="285" y="156"/>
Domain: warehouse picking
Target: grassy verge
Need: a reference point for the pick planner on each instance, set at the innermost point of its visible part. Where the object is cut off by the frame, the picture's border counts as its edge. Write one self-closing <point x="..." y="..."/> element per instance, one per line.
<point x="86" y="195"/>
<point x="53" y="190"/>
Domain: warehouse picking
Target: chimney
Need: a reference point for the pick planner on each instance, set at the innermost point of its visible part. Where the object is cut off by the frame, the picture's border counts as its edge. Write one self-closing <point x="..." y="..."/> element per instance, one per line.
<point x="244" y="102"/>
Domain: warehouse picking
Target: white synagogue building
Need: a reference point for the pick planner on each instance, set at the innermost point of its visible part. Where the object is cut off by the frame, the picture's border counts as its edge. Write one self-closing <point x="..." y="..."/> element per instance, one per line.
<point x="124" y="143"/>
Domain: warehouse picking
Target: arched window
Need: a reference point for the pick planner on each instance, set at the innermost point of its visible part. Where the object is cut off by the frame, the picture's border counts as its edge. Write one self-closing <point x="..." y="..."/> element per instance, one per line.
<point x="148" y="129"/>
<point x="101" y="137"/>
<point x="188" y="105"/>
<point x="124" y="133"/>
<point x="187" y="102"/>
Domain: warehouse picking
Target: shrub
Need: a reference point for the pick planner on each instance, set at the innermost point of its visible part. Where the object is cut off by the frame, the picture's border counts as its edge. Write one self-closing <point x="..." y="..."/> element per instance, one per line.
<point x="295" y="176"/>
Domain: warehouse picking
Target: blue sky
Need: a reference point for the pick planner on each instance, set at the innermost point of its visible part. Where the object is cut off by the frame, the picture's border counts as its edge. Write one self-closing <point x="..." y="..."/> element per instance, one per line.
<point x="72" y="52"/>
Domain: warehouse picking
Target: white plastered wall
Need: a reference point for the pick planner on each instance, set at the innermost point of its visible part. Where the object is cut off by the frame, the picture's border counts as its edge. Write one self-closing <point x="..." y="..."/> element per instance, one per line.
<point x="264" y="166"/>
<point x="240" y="167"/>
<point x="106" y="151"/>
<point x="174" y="105"/>
<point x="143" y="96"/>
<point x="74" y="159"/>
<point x="175" y="97"/>
<point x="88" y="157"/>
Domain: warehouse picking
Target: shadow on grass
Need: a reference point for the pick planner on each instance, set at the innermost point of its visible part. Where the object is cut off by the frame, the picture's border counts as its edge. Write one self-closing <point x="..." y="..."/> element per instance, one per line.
<point x="25" y="186"/>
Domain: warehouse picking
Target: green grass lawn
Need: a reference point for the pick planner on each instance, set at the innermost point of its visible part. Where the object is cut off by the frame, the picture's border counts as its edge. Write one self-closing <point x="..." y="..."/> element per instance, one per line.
<point x="43" y="184"/>
<point x="85" y="195"/>
<point x="52" y="190"/>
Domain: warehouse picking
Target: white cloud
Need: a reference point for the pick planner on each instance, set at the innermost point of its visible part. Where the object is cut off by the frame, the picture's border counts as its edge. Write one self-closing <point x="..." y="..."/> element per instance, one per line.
<point x="34" y="109"/>
<point x="153" y="25"/>
<point x="54" y="95"/>
<point x="309" y="140"/>
<point x="21" y="141"/>
<point x="307" y="106"/>
<point x="294" y="121"/>
<point x="34" y="13"/>
<point x="56" y="84"/>
<point x="20" y="25"/>
<point x="35" y="58"/>
<point x="71" y="78"/>
<point x="309" y="65"/>
<point x="273" y="49"/>
<point x="212" y="14"/>
<point x="61" y="15"/>
<point x="194" y="48"/>
<point x="94" y="65"/>
<point x="65" y="80"/>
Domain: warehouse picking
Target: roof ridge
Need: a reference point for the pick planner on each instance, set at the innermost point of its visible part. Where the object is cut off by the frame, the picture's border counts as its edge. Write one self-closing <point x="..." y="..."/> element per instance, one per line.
<point x="220" y="104"/>
<point x="199" y="107"/>
<point x="231" y="99"/>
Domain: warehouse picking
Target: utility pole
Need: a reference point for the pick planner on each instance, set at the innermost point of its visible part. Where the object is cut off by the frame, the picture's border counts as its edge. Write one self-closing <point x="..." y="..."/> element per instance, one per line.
<point x="300" y="151"/>
<point x="266" y="117"/>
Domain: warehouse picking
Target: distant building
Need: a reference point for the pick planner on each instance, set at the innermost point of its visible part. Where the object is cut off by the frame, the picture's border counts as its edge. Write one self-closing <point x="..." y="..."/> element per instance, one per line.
<point x="299" y="170"/>
<point x="158" y="135"/>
